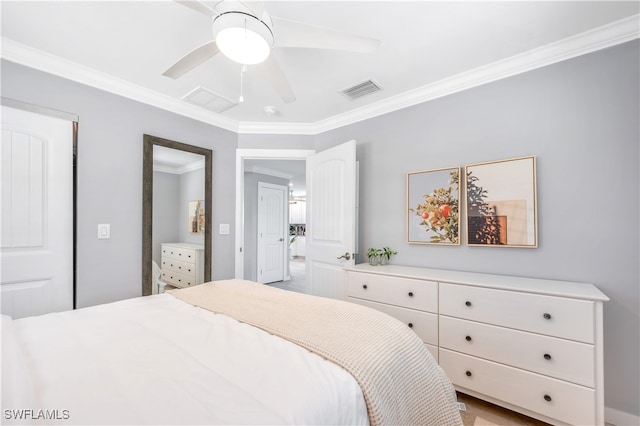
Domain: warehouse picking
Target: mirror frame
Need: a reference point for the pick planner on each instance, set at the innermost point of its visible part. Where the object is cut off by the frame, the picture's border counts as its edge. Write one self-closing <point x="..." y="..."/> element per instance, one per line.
<point x="147" y="204"/>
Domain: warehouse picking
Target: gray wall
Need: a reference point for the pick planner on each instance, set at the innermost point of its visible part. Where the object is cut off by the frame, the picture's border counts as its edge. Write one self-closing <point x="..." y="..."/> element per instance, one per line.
<point x="166" y="189"/>
<point x="580" y="119"/>
<point x="191" y="189"/>
<point x="270" y="141"/>
<point x="110" y="177"/>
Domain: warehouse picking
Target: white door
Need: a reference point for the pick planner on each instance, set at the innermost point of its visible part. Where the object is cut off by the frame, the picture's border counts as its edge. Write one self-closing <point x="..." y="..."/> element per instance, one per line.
<point x="36" y="249"/>
<point x="272" y="226"/>
<point x="331" y="219"/>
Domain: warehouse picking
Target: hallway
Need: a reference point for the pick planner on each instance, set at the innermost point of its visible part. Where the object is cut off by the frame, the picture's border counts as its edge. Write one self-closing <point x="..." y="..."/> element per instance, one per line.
<point x="297" y="281"/>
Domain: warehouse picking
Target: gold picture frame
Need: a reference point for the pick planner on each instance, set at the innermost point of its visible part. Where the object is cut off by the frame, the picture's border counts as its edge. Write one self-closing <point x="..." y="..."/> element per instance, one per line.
<point x="433" y="206"/>
<point x="501" y="203"/>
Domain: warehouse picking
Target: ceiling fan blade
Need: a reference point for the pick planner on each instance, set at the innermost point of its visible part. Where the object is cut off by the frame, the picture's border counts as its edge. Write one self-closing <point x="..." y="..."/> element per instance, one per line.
<point x="192" y="59"/>
<point x="289" y="33"/>
<point x="256" y="7"/>
<point x="198" y="7"/>
<point x="271" y="70"/>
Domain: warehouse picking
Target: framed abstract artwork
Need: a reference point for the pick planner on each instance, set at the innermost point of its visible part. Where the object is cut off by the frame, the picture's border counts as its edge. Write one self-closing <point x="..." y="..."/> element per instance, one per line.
<point x="196" y="217"/>
<point x="501" y="203"/>
<point x="433" y="206"/>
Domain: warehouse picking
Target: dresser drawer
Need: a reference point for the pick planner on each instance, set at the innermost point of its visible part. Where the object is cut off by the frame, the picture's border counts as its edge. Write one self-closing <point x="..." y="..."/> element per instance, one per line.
<point x="433" y="350"/>
<point x="550" y="315"/>
<point x="424" y="324"/>
<point x="179" y="253"/>
<point x="177" y="279"/>
<point x="172" y="264"/>
<point x="559" y="358"/>
<point x="557" y="399"/>
<point x="406" y="292"/>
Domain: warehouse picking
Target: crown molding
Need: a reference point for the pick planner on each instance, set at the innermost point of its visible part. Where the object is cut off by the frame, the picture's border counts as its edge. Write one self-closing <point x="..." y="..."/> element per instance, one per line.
<point x="268" y="172"/>
<point x="179" y="170"/>
<point x="612" y="34"/>
<point x="43" y="61"/>
<point x="281" y="128"/>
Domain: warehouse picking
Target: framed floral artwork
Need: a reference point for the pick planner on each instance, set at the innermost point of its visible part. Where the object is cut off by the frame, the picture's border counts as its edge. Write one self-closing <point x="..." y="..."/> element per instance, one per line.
<point x="501" y="203"/>
<point x="433" y="206"/>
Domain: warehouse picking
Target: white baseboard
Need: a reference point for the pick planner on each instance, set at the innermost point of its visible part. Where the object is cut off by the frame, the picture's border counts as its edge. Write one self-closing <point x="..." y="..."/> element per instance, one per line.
<point x="620" y="418"/>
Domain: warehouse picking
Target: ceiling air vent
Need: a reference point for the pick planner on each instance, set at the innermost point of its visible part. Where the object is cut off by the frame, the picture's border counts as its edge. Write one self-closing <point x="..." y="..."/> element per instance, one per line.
<point x="207" y="98"/>
<point x="361" y="89"/>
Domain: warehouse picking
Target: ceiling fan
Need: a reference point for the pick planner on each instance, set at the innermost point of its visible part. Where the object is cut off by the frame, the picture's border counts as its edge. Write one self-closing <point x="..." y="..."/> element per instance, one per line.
<point x="244" y="32"/>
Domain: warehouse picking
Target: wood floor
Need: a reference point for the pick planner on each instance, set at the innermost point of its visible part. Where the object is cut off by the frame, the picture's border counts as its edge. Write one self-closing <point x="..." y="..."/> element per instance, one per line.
<point x="481" y="413"/>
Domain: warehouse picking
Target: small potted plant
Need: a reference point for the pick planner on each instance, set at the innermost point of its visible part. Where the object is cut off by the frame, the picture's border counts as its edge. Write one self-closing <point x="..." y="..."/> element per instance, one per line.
<point x="385" y="255"/>
<point x="374" y="256"/>
<point x="292" y="239"/>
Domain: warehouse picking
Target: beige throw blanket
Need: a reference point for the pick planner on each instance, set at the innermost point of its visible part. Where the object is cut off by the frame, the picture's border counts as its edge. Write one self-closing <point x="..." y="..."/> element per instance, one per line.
<point x="400" y="380"/>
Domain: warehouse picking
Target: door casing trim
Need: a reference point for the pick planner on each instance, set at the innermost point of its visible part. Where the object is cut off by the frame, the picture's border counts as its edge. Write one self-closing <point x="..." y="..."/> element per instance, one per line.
<point x="255" y="154"/>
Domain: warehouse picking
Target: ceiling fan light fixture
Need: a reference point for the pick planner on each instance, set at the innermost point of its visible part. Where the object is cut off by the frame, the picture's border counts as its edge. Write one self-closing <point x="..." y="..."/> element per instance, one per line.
<point x="242" y="38"/>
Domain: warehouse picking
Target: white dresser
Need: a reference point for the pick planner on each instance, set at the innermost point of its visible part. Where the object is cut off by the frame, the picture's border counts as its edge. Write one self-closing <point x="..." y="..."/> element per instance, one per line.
<point x="414" y="302"/>
<point x="182" y="264"/>
<point x="531" y="345"/>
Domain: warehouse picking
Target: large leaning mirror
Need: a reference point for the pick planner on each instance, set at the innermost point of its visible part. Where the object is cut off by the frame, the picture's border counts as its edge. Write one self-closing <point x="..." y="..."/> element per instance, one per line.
<point x="176" y="215"/>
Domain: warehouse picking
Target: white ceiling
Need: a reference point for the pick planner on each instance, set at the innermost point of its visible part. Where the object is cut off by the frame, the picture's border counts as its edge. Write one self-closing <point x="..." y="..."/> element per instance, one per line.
<point x="427" y="49"/>
<point x="176" y="161"/>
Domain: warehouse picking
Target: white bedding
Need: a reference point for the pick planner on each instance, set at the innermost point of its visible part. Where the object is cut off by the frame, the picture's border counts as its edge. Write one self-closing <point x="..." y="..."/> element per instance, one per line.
<point x="157" y="360"/>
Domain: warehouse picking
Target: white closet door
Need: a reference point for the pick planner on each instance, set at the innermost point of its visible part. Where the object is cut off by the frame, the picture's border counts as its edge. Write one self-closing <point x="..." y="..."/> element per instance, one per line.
<point x="272" y="232"/>
<point x="36" y="234"/>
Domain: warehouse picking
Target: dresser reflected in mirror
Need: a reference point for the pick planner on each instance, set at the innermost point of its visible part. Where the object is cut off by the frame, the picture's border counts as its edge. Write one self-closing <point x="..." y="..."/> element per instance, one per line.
<point x="176" y="241"/>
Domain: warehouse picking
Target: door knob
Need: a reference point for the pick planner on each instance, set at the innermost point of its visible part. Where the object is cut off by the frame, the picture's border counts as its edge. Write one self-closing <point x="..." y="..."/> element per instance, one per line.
<point x="345" y="256"/>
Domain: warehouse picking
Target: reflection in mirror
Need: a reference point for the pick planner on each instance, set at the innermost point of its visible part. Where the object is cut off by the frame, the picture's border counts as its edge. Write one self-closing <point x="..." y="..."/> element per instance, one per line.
<point x="176" y="226"/>
<point x="178" y="218"/>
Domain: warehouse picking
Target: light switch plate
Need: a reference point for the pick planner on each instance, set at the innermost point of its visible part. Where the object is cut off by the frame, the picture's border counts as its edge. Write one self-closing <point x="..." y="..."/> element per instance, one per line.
<point x="224" y="229"/>
<point x="104" y="231"/>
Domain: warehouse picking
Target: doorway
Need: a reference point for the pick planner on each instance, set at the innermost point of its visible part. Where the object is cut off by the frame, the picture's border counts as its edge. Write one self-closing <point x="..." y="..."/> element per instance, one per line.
<point x="245" y="258"/>
<point x="331" y="198"/>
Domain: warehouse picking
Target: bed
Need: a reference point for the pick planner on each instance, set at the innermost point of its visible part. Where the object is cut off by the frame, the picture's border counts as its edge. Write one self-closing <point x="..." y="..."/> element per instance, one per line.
<point x="225" y="352"/>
